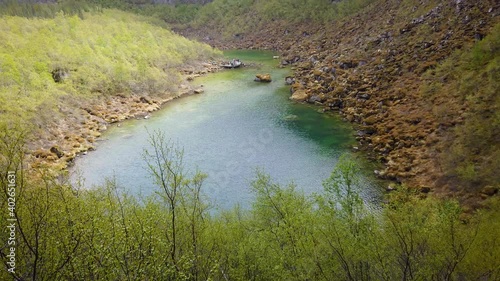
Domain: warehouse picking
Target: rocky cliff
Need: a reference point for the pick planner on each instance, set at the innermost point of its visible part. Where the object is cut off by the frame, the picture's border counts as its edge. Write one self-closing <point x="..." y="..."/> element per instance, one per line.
<point x="369" y="68"/>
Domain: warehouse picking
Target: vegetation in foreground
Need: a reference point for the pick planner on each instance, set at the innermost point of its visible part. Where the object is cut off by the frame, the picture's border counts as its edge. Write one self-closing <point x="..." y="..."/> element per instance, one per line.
<point x="68" y="233"/>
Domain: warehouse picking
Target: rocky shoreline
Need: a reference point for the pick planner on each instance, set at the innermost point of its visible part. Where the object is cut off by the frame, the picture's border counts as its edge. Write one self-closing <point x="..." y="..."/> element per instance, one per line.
<point x="372" y="74"/>
<point x="78" y="124"/>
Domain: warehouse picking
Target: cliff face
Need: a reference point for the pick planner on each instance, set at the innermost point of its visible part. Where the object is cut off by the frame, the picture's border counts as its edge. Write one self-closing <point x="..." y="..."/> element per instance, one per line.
<point x="370" y="67"/>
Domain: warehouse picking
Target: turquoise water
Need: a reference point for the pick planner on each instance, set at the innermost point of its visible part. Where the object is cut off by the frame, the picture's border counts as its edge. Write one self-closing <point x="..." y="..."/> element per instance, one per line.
<point x="234" y="127"/>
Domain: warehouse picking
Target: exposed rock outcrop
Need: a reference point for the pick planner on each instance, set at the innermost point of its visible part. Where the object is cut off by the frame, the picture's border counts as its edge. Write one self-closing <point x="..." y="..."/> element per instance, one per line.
<point x="372" y="75"/>
<point x="265" y="78"/>
<point x="299" y="95"/>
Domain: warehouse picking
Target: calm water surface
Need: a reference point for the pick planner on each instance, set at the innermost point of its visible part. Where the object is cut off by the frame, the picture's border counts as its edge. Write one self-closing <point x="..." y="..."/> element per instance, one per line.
<point x="233" y="128"/>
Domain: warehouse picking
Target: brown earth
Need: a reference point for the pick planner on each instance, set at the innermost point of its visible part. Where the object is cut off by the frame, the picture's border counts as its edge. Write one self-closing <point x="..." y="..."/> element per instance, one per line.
<point x="369" y="68"/>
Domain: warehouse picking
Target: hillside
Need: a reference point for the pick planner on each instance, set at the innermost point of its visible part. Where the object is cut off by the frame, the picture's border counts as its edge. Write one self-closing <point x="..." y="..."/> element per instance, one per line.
<point x="375" y="62"/>
<point x="65" y="78"/>
<point x="419" y="79"/>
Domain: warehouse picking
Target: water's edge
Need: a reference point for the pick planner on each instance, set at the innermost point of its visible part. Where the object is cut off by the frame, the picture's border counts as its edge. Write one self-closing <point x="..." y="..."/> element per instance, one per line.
<point x="234" y="128"/>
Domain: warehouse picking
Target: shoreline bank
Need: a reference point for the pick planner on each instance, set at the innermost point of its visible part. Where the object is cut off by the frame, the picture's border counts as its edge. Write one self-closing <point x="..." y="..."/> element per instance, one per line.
<point x="78" y="125"/>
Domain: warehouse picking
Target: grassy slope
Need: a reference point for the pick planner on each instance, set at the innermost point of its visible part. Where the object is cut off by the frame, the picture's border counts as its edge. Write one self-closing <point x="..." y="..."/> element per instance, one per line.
<point x="223" y="20"/>
<point x="112" y="65"/>
<point x="109" y="53"/>
<point x="246" y="16"/>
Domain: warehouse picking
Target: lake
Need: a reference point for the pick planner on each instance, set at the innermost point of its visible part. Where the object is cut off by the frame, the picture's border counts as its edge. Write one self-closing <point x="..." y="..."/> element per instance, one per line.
<point x="235" y="127"/>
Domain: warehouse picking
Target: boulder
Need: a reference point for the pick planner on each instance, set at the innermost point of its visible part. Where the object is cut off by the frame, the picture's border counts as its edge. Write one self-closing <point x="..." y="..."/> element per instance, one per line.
<point x="145" y="100"/>
<point x="348" y="64"/>
<point x="425" y="189"/>
<point x="391" y="187"/>
<point x="40" y="153"/>
<point x="290" y="117"/>
<point x="289" y="80"/>
<point x="370" y="120"/>
<point x="366" y="130"/>
<point x="314" y="99"/>
<point x="59" y="75"/>
<point x="299" y="95"/>
<point x="296" y="86"/>
<point x="263" y="77"/>
<point x="489" y="190"/>
<point x="57" y="151"/>
<point x="363" y="96"/>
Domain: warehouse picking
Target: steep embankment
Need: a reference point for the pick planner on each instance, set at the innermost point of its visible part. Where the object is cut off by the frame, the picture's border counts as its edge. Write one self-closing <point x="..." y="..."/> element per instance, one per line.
<point x="370" y="67"/>
<point x="67" y="77"/>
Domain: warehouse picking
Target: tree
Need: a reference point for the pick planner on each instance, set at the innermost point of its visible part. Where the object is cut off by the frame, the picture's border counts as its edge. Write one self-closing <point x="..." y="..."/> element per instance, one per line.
<point x="347" y="227"/>
<point x="165" y="165"/>
<point x="283" y="225"/>
<point x="186" y="208"/>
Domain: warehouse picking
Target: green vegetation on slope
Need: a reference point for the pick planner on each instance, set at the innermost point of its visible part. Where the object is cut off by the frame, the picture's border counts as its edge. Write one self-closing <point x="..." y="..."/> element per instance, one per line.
<point x="67" y="233"/>
<point x="469" y="83"/>
<point x="49" y="9"/>
<point x="107" y="53"/>
<point x="233" y="16"/>
<point x="179" y="14"/>
<point x="247" y="15"/>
